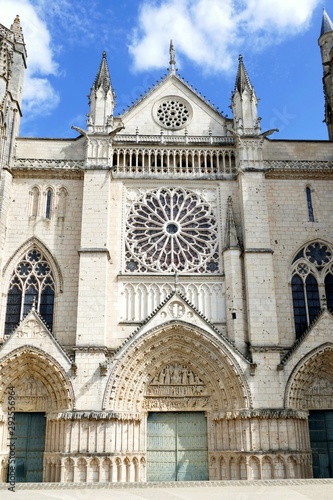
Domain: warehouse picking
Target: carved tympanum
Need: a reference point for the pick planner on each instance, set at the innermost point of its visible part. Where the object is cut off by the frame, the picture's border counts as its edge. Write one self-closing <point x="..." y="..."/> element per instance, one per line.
<point x="31" y="395"/>
<point x="176" y="380"/>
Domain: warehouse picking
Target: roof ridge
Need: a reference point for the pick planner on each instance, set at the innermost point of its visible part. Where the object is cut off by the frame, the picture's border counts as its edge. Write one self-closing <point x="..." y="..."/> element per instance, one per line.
<point x="159" y="82"/>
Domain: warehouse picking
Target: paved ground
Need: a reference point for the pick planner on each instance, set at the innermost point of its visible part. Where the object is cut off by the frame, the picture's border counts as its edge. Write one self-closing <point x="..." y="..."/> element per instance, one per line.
<point x="298" y="489"/>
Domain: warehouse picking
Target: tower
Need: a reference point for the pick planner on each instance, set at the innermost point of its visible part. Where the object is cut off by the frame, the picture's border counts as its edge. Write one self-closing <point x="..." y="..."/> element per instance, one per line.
<point x="326" y="44"/>
<point x="13" y="63"/>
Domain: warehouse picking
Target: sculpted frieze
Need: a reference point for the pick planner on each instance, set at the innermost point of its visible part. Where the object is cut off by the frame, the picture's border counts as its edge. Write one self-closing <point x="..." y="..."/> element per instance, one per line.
<point x="95" y="415"/>
<point x="319" y="395"/>
<point x="176" y="374"/>
<point x="176" y="380"/>
<point x="261" y="414"/>
<point x="31" y="395"/>
<point x="313" y="402"/>
<point x="177" y="391"/>
<point x="322" y="387"/>
<point x="175" y="404"/>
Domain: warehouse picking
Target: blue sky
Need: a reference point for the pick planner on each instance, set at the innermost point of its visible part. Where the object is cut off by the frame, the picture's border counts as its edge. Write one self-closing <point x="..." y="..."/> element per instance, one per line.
<point x="65" y="40"/>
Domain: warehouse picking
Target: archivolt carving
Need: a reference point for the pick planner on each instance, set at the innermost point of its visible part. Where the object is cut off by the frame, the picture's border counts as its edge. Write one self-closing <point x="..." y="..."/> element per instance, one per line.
<point x="140" y="379"/>
<point x="310" y="386"/>
<point x="39" y="382"/>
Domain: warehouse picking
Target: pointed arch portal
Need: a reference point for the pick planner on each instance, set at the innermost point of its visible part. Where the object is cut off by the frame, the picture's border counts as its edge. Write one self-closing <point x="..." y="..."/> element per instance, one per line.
<point x="177" y="377"/>
<point x="176" y="368"/>
<point x="310" y="387"/>
<point x="33" y="384"/>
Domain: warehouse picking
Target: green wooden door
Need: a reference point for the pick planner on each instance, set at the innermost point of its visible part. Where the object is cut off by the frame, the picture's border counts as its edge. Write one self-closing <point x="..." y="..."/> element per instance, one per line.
<point x="30" y="442"/>
<point x="177" y="447"/>
<point x="321" y="438"/>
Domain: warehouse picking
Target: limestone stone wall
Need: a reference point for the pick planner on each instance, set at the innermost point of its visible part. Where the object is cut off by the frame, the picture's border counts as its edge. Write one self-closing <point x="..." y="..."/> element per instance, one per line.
<point x="59" y="234"/>
<point x="290" y="229"/>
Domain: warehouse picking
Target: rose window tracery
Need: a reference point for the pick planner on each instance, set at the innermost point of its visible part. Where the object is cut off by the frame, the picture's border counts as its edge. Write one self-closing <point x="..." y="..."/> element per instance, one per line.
<point x="171" y="230"/>
<point x="173" y="113"/>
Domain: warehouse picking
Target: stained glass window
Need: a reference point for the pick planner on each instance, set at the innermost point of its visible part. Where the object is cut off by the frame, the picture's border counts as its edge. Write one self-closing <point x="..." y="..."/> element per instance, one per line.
<point x="329" y="290"/>
<point x="171" y="230"/>
<point x="309" y="203"/>
<point x="31" y="283"/>
<point x="48" y="204"/>
<point x="312" y="269"/>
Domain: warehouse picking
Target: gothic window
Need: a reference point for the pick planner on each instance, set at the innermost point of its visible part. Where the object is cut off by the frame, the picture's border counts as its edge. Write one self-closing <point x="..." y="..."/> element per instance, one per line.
<point x="311" y="283"/>
<point x="31" y="283"/>
<point x="171" y="230"/>
<point x="309" y="204"/>
<point x="329" y="290"/>
<point x="300" y="317"/>
<point x="48" y="204"/>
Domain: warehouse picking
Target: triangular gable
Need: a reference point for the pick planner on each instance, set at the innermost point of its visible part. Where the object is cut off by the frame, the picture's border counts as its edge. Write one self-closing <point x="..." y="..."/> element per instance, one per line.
<point x="32" y="331"/>
<point x="203" y="117"/>
<point x="319" y="333"/>
<point x="177" y="309"/>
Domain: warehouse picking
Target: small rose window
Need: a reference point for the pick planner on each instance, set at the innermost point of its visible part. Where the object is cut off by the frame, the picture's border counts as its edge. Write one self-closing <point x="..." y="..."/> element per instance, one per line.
<point x="173" y="113"/>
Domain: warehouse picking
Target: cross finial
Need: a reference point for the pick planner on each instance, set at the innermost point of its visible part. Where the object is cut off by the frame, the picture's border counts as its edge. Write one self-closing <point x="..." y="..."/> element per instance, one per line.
<point x="172" y="68"/>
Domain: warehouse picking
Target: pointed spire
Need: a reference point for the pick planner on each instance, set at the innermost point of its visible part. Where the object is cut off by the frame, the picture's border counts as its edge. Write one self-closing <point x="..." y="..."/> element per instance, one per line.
<point x="326" y="24"/>
<point x="101" y="100"/>
<point x="244" y="104"/>
<point x="172" y="61"/>
<point x="103" y="76"/>
<point x="231" y="238"/>
<point x="17" y="30"/>
<point x="242" y="78"/>
<point x="326" y="45"/>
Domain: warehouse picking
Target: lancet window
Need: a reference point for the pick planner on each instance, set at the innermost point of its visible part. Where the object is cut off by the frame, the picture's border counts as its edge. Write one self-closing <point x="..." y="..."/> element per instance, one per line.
<point x="309" y="204"/>
<point x="311" y="283"/>
<point x="48" y="207"/>
<point x="32" y="283"/>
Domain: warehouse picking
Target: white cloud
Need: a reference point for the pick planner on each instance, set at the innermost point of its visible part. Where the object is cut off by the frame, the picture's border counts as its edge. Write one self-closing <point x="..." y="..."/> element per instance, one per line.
<point x="212" y="32"/>
<point x="280" y="16"/>
<point x="39" y="96"/>
<point x="45" y="24"/>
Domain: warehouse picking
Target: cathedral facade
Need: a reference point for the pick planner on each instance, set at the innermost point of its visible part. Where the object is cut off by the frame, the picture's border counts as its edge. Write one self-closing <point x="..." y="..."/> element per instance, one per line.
<point x="166" y="289"/>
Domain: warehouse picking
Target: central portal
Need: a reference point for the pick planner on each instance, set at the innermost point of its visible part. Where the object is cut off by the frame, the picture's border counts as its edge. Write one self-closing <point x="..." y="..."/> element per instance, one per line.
<point x="177" y="446"/>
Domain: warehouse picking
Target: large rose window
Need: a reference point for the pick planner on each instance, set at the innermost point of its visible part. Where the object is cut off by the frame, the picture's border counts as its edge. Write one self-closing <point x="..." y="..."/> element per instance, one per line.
<point x="171" y="230"/>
